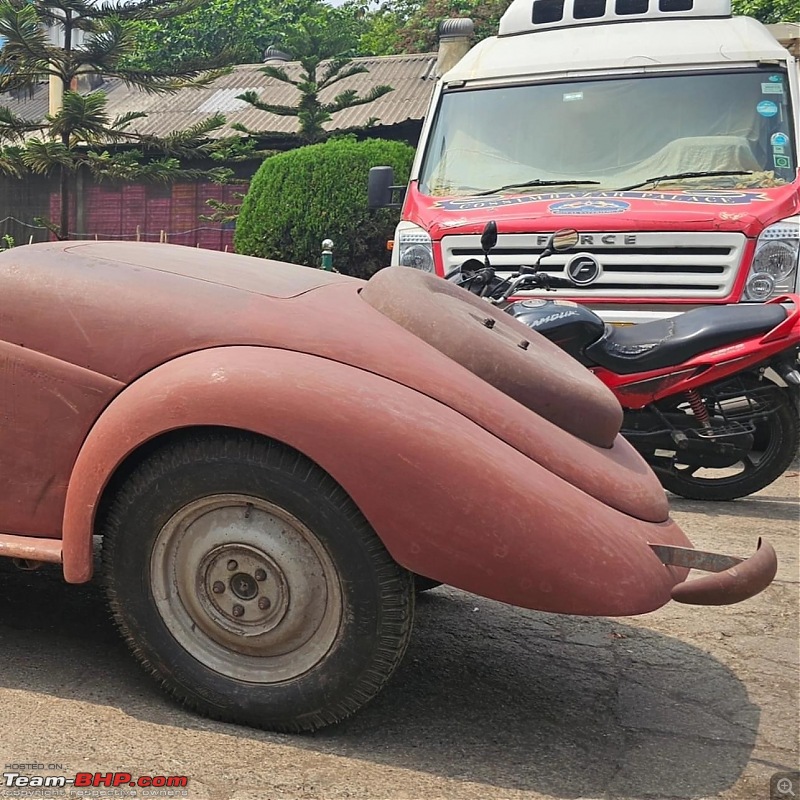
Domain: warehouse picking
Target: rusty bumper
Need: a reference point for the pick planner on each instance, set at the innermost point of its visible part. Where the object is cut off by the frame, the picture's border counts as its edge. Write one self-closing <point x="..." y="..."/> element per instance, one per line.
<point x="732" y="580"/>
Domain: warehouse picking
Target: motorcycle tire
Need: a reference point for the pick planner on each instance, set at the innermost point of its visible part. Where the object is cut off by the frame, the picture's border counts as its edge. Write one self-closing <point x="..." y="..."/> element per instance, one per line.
<point x="779" y="434"/>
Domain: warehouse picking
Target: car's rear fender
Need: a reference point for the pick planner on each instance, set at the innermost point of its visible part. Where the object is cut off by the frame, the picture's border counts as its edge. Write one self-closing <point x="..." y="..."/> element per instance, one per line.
<point x="448" y="499"/>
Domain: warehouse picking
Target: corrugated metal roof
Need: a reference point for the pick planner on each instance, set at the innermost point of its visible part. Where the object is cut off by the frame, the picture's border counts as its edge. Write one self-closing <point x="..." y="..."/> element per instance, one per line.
<point x="226" y="100"/>
<point x="411" y="77"/>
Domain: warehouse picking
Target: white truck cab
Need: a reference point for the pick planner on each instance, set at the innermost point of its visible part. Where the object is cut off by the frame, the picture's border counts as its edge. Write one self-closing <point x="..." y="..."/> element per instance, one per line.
<point x="664" y="131"/>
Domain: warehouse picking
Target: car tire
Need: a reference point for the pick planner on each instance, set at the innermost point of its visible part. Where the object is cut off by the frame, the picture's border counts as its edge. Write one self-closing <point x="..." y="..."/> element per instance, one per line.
<point x="204" y="544"/>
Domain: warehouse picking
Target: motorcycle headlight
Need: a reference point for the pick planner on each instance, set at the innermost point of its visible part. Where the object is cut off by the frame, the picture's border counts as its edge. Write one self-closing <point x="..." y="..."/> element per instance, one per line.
<point x="414" y="248"/>
<point x="774" y="268"/>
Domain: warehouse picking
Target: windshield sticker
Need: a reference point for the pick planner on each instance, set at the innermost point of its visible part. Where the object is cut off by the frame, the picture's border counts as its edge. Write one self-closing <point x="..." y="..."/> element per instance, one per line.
<point x="589" y="207"/>
<point x="778" y="149"/>
<point x="771" y="88"/>
<point x="720" y="198"/>
<point x="779" y="138"/>
<point x="775" y="78"/>
<point x="569" y="96"/>
<point x="782" y="162"/>
<point x="767" y="108"/>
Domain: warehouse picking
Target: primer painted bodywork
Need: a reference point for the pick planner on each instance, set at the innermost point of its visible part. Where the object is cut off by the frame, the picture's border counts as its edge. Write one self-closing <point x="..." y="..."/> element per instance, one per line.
<point x="104" y="347"/>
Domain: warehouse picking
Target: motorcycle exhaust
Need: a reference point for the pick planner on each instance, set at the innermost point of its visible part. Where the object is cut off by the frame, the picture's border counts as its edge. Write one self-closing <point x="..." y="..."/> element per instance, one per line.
<point x="788" y="372"/>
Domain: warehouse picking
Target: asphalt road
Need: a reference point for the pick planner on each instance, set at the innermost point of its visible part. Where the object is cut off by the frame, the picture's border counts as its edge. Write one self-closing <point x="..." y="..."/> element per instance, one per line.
<point x="491" y="702"/>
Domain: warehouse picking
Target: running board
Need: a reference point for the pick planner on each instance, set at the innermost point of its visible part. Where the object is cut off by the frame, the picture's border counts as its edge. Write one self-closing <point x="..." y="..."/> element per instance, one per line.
<point x="30" y="548"/>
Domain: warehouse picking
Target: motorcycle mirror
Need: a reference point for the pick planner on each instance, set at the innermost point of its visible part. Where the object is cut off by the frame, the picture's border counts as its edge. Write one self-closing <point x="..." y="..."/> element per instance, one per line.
<point x="562" y="240"/>
<point x="489" y="236"/>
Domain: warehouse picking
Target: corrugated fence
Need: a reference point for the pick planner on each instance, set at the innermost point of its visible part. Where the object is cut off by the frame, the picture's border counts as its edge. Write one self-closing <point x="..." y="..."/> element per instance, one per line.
<point x="147" y="212"/>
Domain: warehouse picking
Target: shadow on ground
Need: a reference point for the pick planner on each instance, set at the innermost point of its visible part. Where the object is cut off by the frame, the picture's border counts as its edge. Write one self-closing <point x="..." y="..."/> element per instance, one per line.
<point x="763" y="507"/>
<point x="569" y="707"/>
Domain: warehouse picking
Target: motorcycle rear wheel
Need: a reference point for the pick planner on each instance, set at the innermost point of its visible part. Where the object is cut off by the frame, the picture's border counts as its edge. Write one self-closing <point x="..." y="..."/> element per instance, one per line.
<point x="779" y="436"/>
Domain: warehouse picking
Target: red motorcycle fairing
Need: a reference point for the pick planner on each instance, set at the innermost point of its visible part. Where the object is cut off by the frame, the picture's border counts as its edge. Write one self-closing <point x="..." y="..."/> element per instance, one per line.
<point x="638" y="389"/>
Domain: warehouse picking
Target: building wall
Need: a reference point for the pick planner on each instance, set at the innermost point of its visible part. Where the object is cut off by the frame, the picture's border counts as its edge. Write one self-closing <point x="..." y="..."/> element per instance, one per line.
<point x="148" y="212"/>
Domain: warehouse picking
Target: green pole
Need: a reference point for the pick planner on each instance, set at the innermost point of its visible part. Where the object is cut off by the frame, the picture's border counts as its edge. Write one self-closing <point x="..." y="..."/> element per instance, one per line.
<point x="327" y="255"/>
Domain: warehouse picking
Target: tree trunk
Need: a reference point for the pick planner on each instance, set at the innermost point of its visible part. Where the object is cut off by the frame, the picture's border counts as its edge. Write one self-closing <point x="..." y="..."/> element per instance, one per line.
<point x="64" y="223"/>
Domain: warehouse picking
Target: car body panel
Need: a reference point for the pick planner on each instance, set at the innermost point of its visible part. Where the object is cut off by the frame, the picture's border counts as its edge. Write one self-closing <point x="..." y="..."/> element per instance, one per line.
<point x="107" y="347"/>
<point x="493" y="523"/>
<point x="116" y="319"/>
<point x="46" y="407"/>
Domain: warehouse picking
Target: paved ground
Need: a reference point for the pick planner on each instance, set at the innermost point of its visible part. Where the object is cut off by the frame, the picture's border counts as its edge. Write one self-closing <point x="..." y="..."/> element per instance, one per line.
<point x="491" y="702"/>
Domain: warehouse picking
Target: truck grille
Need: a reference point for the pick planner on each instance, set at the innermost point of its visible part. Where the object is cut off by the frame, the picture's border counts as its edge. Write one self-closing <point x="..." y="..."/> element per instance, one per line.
<point x="676" y="265"/>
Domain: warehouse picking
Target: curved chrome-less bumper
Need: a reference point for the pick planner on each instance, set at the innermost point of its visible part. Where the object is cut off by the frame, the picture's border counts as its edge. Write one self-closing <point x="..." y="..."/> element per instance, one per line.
<point x="732" y="580"/>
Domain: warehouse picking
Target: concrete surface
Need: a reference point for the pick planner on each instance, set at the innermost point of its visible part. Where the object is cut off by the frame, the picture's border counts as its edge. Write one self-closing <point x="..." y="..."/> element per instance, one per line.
<point x="491" y="702"/>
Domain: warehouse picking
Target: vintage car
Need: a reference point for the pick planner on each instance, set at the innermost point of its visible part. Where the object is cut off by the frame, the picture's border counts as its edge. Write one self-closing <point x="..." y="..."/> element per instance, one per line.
<point x="276" y="456"/>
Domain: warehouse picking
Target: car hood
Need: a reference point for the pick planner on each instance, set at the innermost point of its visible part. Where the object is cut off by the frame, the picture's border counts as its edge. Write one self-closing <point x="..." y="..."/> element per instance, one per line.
<point x="747" y="211"/>
<point x="121" y="308"/>
<point x="257" y="276"/>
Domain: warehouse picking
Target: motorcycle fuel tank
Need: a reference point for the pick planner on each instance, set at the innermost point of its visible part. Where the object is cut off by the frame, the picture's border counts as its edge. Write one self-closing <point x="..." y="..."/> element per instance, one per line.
<point x="571" y="326"/>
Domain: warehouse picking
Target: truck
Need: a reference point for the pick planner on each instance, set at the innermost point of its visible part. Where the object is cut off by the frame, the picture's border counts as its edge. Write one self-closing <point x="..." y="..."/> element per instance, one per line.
<point x="664" y="131"/>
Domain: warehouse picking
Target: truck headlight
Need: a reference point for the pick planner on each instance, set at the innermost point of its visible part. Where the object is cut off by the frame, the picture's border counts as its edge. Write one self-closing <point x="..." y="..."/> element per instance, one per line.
<point x="414" y="248"/>
<point x="774" y="268"/>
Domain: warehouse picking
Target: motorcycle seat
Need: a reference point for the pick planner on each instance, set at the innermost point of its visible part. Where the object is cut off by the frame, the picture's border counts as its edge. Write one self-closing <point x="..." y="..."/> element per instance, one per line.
<point x="669" y="342"/>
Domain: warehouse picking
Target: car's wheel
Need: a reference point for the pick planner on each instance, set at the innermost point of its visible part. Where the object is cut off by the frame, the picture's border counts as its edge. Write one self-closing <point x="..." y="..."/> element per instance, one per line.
<point x="246" y="580"/>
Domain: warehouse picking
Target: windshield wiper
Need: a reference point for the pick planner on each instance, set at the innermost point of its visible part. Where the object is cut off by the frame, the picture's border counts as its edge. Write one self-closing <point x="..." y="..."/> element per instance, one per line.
<point x="535" y="182"/>
<point x="679" y="175"/>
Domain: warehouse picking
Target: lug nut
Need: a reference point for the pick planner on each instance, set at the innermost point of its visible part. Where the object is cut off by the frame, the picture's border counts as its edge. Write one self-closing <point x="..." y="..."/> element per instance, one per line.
<point x="523" y="345"/>
<point x="232" y="565"/>
<point x="261" y="575"/>
<point x="264" y="603"/>
<point x="238" y="611"/>
<point x="489" y="322"/>
<point x="218" y="587"/>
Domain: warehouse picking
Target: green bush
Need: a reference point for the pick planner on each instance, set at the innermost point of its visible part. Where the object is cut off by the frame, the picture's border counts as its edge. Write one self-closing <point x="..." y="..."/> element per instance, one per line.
<point x="298" y="198"/>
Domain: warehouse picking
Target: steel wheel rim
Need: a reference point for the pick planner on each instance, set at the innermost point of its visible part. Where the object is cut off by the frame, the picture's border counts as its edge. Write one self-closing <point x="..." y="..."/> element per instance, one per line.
<point x="246" y="588"/>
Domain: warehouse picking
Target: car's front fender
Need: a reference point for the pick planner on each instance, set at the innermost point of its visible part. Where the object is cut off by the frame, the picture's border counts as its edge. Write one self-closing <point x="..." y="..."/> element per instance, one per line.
<point x="448" y="499"/>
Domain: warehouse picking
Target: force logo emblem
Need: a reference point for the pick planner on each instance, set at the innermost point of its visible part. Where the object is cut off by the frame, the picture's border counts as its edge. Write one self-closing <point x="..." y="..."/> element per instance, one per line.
<point x="584" y="269"/>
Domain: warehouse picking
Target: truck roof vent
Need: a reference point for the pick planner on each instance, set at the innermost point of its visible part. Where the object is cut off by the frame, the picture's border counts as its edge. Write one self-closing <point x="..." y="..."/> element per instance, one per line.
<point x="526" y="16"/>
<point x="456" y="26"/>
<point x="273" y="54"/>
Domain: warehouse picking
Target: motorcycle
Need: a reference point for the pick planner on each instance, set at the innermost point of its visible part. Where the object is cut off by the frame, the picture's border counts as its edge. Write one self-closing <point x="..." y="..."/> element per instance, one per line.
<point x="699" y="404"/>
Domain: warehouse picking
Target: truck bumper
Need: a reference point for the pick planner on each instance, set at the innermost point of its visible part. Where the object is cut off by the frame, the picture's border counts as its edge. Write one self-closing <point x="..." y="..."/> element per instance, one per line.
<point x="732" y="579"/>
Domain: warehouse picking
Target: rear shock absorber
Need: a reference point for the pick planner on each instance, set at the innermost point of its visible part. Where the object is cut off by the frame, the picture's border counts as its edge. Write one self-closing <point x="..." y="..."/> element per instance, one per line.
<point x="699" y="408"/>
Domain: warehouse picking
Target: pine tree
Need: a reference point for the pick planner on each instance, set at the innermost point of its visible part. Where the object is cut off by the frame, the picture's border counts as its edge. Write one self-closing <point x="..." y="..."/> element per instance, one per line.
<point x="320" y="49"/>
<point x="94" y="38"/>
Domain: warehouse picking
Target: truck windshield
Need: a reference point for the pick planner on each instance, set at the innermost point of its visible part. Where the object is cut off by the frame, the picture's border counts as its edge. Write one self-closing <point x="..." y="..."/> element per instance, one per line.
<point x="615" y="132"/>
